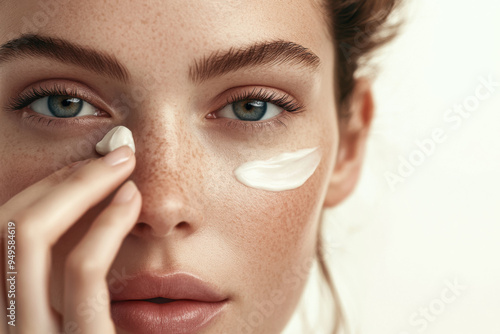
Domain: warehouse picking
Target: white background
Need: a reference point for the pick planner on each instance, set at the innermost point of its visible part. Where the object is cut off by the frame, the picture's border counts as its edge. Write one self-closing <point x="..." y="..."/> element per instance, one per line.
<point x="395" y="249"/>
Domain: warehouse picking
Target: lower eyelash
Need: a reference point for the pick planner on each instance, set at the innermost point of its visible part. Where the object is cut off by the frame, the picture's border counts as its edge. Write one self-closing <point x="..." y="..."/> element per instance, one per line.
<point x="271" y="124"/>
<point x="35" y="119"/>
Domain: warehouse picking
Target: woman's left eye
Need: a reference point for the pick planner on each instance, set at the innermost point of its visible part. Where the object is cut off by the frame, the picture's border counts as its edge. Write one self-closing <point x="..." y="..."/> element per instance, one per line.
<point x="63" y="106"/>
<point x="250" y="110"/>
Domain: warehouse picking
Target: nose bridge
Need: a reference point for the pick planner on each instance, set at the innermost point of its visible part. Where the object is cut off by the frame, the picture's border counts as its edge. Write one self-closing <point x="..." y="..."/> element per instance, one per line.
<point x="168" y="175"/>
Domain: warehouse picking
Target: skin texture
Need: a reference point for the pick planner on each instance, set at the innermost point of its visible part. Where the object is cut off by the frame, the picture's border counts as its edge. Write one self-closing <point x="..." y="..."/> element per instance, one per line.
<point x="190" y="213"/>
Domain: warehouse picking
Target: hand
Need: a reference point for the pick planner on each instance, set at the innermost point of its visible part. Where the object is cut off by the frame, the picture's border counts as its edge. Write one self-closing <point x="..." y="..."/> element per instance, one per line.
<point x="42" y="213"/>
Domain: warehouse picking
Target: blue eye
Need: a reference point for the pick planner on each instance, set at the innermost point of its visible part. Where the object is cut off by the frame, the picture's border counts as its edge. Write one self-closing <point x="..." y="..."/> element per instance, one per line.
<point x="250" y="110"/>
<point x="63" y="106"/>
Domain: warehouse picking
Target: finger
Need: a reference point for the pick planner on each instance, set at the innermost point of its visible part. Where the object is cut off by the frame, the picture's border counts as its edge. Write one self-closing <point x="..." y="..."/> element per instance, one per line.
<point x="86" y="295"/>
<point x="16" y="204"/>
<point x="32" y="193"/>
<point x="34" y="314"/>
<point x="44" y="222"/>
<point x="68" y="201"/>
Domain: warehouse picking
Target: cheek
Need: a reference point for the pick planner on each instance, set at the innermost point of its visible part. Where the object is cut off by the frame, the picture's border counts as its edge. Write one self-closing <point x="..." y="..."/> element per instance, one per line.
<point x="274" y="235"/>
<point x="17" y="172"/>
<point x="275" y="224"/>
<point x="28" y="159"/>
<point x="279" y="230"/>
<point x="24" y="166"/>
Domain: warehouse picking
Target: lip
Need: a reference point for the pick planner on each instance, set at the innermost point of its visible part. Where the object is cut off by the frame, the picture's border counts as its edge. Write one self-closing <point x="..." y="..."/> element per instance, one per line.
<point x="197" y="303"/>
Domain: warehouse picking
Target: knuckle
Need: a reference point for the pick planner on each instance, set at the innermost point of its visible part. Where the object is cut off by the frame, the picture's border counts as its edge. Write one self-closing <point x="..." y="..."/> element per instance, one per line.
<point x="57" y="177"/>
<point x="78" y="178"/>
<point x="62" y="172"/>
<point x="83" y="267"/>
<point x="28" y="232"/>
<point x="26" y="236"/>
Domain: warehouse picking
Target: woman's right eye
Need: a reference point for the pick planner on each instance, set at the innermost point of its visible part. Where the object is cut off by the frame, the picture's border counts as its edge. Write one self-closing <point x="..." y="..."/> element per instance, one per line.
<point x="63" y="106"/>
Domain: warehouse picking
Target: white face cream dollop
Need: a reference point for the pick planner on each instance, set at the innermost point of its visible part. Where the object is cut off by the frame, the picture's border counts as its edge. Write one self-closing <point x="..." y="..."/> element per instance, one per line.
<point x="116" y="137"/>
<point x="283" y="172"/>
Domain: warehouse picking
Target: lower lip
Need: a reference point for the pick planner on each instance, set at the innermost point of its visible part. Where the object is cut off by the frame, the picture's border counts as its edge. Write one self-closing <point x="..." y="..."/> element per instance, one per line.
<point x="183" y="316"/>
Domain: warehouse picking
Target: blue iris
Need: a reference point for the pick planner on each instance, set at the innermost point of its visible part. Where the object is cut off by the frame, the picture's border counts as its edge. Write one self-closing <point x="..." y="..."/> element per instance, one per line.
<point x="250" y="110"/>
<point x="64" y="106"/>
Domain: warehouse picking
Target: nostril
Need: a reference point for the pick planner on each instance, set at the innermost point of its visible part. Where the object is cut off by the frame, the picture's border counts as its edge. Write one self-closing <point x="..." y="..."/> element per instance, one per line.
<point x="141" y="227"/>
<point x="182" y="225"/>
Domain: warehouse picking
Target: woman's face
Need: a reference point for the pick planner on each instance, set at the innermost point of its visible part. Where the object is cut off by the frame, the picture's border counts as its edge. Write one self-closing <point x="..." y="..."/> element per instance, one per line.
<point x="254" y="245"/>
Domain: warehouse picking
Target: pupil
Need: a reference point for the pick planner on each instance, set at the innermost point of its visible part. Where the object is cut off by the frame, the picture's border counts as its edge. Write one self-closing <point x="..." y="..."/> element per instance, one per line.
<point x="250" y="110"/>
<point x="64" y="106"/>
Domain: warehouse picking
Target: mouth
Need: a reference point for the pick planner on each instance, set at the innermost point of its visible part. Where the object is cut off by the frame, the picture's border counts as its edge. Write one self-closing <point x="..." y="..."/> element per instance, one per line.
<point x="163" y="315"/>
<point x="175" y="303"/>
<point x="161" y="300"/>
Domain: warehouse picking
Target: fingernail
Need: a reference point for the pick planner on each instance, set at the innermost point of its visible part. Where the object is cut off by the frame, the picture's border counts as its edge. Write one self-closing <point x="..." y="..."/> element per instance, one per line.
<point x="125" y="193"/>
<point x="118" y="156"/>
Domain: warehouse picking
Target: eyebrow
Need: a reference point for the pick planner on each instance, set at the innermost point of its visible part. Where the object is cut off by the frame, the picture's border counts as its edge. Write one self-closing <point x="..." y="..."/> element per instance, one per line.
<point x="259" y="54"/>
<point x="34" y="45"/>
<point x="215" y="65"/>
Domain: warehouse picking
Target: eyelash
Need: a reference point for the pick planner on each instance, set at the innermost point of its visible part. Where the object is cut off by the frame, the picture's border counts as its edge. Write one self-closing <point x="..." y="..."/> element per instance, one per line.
<point x="26" y="98"/>
<point x="33" y="94"/>
<point x="284" y="101"/>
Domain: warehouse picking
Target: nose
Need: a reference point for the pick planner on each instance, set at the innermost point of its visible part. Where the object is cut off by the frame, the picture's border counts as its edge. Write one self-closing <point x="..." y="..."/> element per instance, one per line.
<point x="168" y="176"/>
<point x="166" y="215"/>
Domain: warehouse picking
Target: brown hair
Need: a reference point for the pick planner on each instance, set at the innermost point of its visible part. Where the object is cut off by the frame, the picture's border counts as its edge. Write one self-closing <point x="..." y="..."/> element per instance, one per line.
<point x="357" y="28"/>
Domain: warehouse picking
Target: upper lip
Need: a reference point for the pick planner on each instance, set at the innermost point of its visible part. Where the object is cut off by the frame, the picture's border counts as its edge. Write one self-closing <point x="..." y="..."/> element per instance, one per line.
<point x="179" y="285"/>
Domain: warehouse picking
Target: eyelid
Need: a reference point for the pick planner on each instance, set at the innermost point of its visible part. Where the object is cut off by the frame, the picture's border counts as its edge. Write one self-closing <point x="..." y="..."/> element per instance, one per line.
<point x="77" y="90"/>
<point x="253" y="93"/>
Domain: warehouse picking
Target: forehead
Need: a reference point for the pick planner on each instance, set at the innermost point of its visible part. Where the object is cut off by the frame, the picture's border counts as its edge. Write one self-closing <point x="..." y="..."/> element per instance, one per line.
<point x="170" y="32"/>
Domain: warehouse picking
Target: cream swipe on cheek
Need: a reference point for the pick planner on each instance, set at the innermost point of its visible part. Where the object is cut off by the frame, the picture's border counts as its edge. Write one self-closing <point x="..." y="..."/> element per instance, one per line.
<point x="116" y="137"/>
<point x="283" y="172"/>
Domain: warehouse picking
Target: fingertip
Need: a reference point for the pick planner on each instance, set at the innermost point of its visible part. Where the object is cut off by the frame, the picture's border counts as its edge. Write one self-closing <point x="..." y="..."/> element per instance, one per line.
<point x="126" y="193"/>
